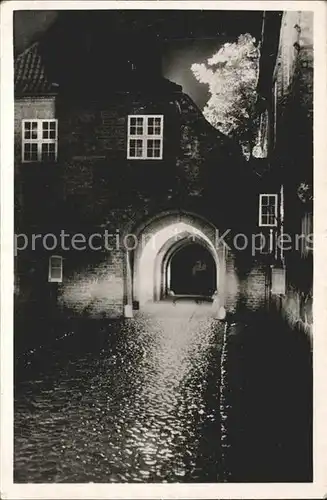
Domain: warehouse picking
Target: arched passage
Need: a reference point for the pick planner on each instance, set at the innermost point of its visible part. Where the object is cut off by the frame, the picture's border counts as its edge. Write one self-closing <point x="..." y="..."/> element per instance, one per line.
<point x="169" y="250"/>
<point x="192" y="271"/>
<point x="162" y="238"/>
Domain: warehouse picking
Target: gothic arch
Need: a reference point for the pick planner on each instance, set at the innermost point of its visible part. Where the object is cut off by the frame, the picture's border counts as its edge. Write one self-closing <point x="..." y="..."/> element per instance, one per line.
<point x="157" y="239"/>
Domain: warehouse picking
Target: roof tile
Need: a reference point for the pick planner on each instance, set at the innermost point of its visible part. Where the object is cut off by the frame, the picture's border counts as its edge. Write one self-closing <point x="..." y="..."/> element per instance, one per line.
<point x="29" y="73"/>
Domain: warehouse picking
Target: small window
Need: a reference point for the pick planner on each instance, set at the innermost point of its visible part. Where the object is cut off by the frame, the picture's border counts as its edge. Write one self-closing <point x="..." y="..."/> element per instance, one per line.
<point x="278" y="281"/>
<point x="268" y="210"/>
<point x="145" y="137"/>
<point x="39" y="140"/>
<point x="55" y="269"/>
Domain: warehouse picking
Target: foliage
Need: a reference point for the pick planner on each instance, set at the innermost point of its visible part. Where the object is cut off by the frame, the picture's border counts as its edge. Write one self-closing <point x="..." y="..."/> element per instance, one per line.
<point x="305" y="192"/>
<point x="232" y="76"/>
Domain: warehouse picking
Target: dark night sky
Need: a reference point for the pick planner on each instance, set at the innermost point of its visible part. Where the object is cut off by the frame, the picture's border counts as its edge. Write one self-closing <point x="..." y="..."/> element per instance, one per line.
<point x="185" y="37"/>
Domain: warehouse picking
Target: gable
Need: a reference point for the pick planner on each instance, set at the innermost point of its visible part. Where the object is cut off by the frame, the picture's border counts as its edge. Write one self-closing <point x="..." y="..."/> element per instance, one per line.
<point x="30" y="76"/>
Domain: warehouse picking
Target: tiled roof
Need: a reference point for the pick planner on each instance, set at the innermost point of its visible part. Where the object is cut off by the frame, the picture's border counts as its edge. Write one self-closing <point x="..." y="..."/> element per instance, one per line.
<point x="29" y="73"/>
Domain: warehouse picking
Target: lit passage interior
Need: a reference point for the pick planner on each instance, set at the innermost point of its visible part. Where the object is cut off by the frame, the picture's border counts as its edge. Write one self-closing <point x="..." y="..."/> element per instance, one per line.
<point x="180" y="258"/>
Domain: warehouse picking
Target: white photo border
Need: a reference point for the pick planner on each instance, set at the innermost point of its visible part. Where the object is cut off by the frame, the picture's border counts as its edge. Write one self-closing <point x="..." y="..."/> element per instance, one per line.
<point x="316" y="489"/>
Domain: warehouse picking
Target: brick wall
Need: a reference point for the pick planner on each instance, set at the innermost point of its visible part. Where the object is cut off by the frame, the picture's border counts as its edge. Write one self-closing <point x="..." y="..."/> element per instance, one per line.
<point x="94" y="187"/>
<point x="32" y="108"/>
<point x="232" y="285"/>
<point x="93" y="128"/>
<point x="26" y="108"/>
<point x="245" y="291"/>
<point x="294" y="151"/>
<point x="254" y="288"/>
<point x="93" y="175"/>
<point x="96" y="290"/>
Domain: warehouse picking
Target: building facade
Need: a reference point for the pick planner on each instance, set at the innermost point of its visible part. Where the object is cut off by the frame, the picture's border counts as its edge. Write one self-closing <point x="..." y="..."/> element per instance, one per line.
<point x="286" y="87"/>
<point x="113" y="182"/>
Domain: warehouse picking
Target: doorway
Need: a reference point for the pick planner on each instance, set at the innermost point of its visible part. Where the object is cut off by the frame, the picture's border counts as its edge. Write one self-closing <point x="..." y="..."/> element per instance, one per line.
<point x="192" y="271"/>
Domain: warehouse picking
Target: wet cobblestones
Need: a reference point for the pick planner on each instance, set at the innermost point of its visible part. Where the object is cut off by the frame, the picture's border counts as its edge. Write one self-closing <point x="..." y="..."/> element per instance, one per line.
<point x="136" y="401"/>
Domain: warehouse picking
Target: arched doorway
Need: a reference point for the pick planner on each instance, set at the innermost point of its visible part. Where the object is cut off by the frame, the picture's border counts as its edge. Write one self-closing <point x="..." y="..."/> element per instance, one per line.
<point x="192" y="271"/>
<point x="160" y="241"/>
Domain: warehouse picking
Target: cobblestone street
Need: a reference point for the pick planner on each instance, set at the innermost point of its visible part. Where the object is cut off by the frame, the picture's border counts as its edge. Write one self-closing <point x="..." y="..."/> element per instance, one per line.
<point x="132" y="401"/>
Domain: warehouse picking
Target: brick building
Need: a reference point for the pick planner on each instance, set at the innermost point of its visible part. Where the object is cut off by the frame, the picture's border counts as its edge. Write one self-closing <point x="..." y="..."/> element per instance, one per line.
<point x="286" y="141"/>
<point x="130" y="156"/>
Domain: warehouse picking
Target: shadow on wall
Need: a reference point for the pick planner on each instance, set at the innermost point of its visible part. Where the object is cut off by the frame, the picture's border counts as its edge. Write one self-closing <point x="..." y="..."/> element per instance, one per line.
<point x="269" y="400"/>
<point x="96" y="291"/>
<point x="296" y="307"/>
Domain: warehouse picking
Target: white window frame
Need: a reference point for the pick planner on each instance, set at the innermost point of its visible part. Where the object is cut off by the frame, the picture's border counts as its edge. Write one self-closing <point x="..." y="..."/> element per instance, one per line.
<point x="144" y="137"/>
<point x="52" y="279"/>
<point x="39" y="140"/>
<point x="270" y="195"/>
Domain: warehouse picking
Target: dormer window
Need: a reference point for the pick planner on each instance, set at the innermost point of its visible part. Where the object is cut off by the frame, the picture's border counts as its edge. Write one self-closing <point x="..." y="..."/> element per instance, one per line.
<point x="39" y="140"/>
<point x="145" y="137"/>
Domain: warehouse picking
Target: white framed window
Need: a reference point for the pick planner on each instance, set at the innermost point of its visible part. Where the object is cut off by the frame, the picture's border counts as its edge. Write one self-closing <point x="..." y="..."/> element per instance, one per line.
<point x="268" y="210"/>
<point x="145" y="137"/>
<point x="39" y="140"/>
<point x="55" y="269"/>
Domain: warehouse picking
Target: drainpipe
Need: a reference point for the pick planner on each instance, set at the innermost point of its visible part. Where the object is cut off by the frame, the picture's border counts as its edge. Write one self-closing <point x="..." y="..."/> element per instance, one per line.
<point x="128" y="308"/>
<point x="282" y="219"/>
<point x="278" y="268"/>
